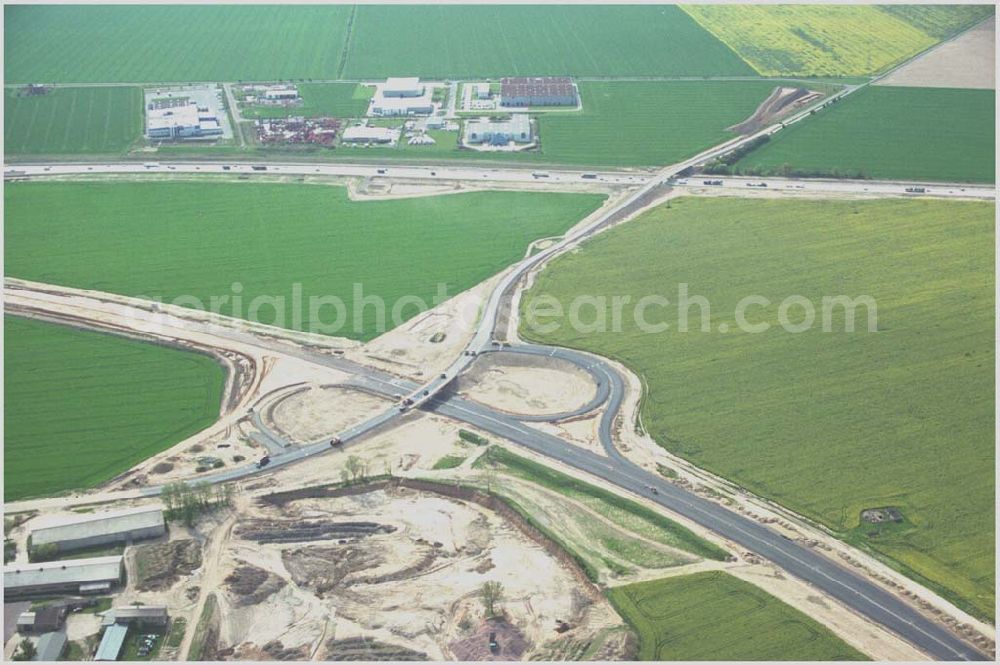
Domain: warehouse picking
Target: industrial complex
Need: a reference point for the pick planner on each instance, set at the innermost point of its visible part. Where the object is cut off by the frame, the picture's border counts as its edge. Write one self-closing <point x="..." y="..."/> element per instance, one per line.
<point x="402" y="97"/>
<point x="497" y="134"/>
<point x="185" y="114"/>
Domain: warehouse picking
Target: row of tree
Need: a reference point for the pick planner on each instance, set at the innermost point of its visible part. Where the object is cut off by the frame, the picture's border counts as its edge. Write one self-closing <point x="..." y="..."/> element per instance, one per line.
<point x="185" y="502"/>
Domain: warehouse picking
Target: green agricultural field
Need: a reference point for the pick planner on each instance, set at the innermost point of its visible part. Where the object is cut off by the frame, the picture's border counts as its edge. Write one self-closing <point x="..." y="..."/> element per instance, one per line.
<point x="85" y="44"/>
<point x="825" y="423"/>
<point x="714" y="616"/>
<point x="832" y="40"/>
<point x="940" y="21"/>
<point x="162" y="43"/>
<point x="337" y="100"/>
<point x="196" y="240"/>
<point x="494" y="41"/>
<point x="118" y="402"/>
<point x="644" y="124"/>
<point x="69" y="121"/>
<point x="889" y="132"/>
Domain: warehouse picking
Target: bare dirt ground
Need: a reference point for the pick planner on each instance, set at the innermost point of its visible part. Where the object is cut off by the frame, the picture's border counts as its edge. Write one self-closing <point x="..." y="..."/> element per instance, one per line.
<point x="158" y="566"/>
<point x="426" y="344"/>
<point x="581" y="431"/>
<point x="969" y="61"/>
<point x="781" y="102"/>
<point x="411" y="584"/>
<point x="527" y="385"/>
<point x="313" y="412"/>
<point x="414" y="444"/>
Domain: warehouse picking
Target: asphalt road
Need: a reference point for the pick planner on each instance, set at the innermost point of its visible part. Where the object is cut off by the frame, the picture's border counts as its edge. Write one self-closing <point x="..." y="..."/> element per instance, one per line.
<point x="565" y="178"/>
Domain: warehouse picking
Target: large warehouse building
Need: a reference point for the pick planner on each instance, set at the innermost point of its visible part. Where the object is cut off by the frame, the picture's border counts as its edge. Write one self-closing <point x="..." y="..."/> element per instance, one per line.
<point x="537" y="91"/>
<point x="403" y="87"/>
<point x="402" y="97"/>
<point x="369" y="135"/>
<point x="72" y="576"/>
<point x="183" y="121"/>
<point x="93" y="529"/>
<point x="517" y="129"/>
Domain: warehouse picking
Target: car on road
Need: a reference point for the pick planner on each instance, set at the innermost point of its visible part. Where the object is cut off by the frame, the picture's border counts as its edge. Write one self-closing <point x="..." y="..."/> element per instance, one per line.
<point x="264" y="461"/>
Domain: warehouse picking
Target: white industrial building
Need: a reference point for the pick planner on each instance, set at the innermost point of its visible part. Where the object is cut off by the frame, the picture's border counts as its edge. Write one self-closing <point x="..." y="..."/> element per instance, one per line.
<point x="369" y="135"/>
<point x="182" y="121"/>
<point x="281" y="93"/>
<point x="72" y="576"/>
<point x="391" y="107"/>
<point x="402" y="97"/>
<point x="485" y="131"/>
<point x="403" y="87"/>
<point x="92" y="529"/>
<point x="482" y="91"/>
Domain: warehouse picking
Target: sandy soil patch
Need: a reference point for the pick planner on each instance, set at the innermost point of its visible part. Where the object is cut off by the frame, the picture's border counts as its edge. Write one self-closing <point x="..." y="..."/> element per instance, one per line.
<point x="414" y="443"/>
<point x="426" y="344"/>
<point x="368" y="189"/>
<point x="582" y="431"/>
<point x="314" y="412"/>
<point x="412" y="584"/>
<point x="968" y="61"/>
<point x="80" y="625"/>
<point x="527" y="385"/>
